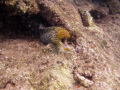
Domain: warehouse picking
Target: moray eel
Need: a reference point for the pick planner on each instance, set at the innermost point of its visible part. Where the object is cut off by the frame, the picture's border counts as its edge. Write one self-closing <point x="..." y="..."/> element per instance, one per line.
<point x="56" y="35"/>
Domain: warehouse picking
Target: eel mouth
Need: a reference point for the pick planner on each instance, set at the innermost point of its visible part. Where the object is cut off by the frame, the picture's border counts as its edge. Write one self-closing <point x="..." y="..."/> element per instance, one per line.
<point x="64" y="42"/>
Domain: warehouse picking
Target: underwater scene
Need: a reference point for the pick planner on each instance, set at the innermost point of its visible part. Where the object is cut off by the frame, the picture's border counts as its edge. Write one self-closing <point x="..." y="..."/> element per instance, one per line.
<point x="59" y="44"/>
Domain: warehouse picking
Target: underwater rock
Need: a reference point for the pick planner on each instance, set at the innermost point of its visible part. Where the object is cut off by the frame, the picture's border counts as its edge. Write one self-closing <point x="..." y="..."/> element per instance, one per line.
<point x="86" y="18"/>
<point x="99" y="12"/>
<point x="57" y="77"/>
<point x="84" y="81"/>
<point x="55" y="12"/>
<point x="61" y="13"/>
<point x="114" y="6"/>
<point x="25" y="6"/>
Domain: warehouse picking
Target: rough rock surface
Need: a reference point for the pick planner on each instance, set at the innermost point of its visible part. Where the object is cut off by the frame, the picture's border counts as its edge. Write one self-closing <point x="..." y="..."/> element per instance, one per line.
<point x="26" y="6"/>
<point x="26" y="64"/>
<point x="61" y="13"/>
<point x="114" y="6"/>
<point x="57" y="13"/>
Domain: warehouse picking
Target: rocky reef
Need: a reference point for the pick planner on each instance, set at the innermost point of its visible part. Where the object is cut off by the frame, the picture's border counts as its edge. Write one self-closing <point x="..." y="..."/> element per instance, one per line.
<point x="93" y="59"/>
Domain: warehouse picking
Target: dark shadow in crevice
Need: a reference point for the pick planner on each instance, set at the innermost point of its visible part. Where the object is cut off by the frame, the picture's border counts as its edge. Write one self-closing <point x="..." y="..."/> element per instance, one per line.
<point x="96" y="14"/>
<point x="87" y="76"/>
<point x="21" y="26"/>
<point x="18" y="25"/>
